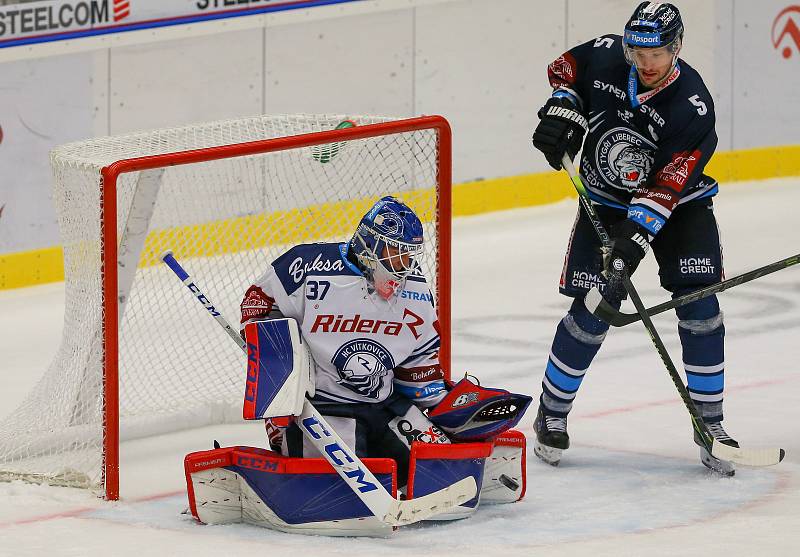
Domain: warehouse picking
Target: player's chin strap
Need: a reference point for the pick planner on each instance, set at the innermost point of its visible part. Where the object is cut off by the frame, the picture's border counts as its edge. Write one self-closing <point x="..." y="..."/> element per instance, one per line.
<point x="751" y="457"/>
<point x="343" y="459"/>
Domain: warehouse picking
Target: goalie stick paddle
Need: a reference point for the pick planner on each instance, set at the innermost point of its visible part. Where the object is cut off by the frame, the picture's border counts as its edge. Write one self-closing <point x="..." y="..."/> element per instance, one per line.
<point x="746" y="457"/>
<point x="340" y="456"/>
<point x="601" y="308"/>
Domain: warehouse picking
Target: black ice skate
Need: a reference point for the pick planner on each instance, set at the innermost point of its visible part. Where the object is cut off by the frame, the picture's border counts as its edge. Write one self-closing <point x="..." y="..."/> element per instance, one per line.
<point x="722" y="467"/>
<point x="551" y="437"/>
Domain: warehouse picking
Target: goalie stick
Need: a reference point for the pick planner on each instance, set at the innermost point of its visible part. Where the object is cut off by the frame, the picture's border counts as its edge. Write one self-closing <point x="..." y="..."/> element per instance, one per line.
<point x="601" y="308"/>
<point x="340" y="456"/>
<point x="746" y="457"/>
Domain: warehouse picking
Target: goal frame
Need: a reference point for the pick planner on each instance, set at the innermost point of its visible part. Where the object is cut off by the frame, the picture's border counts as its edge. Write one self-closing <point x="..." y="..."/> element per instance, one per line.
<point x="109" y="247"/>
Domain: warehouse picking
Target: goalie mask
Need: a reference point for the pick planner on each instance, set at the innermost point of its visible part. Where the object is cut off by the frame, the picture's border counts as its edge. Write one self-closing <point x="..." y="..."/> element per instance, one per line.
<point x="470" y="412"/>
<point x="386" y="243"/>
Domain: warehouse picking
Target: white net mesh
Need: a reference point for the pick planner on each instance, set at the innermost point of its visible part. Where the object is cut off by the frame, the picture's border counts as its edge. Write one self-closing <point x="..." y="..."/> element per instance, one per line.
<point x="225" y="220"/>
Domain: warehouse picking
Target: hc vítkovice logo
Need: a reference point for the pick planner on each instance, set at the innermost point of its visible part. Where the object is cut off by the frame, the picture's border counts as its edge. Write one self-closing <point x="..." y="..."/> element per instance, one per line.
<point x="362" y="365"/>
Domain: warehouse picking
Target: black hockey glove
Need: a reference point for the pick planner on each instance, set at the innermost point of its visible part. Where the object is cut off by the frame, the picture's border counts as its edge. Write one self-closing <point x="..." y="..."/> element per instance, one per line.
<point x="629" y="245"/>
<point x="560" y="130"/>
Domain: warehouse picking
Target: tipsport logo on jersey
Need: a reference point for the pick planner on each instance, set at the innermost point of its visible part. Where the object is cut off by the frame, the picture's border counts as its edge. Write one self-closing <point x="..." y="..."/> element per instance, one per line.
<point x="362" y="365"/>
<point x="786" y="31"/>
<point x="623" y="158"/>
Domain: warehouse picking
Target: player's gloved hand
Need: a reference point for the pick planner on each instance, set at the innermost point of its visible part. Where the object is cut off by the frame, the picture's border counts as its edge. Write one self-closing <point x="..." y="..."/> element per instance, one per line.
<point x="629" y="243"/>
<point x="560" y="130"/>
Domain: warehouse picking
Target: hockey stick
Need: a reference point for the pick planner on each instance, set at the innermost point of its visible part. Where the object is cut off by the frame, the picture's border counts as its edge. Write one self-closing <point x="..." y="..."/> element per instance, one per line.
<point x="340" y="456"/>
<point x="601" y="308"/>
<point x="747" y="457"/>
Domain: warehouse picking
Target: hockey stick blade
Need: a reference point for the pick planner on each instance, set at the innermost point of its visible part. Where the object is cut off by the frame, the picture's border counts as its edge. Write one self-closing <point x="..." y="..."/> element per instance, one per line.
<point x="401" y="513"/>
<point x="596" y="304"/>
<point x="747" y="457"/>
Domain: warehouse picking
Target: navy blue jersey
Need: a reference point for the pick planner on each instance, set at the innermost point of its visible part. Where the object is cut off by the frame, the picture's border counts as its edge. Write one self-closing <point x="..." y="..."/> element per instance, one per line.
<point x="645" y="150"/>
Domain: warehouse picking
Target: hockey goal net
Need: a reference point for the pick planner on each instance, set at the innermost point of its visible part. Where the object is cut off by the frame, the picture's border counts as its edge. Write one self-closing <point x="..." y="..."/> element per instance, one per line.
<point x="138" y="356"/>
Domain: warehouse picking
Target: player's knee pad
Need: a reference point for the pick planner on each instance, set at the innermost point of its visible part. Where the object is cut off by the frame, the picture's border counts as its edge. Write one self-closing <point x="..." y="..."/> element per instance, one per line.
<point x="701" y="317"/>
<point x="583" y="325"/>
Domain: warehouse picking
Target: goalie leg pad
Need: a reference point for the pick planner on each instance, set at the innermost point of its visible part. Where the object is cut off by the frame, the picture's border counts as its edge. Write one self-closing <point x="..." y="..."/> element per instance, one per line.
<point x="280" y="369"/>
<point x="434" y="466"/>
<point x="256" y="486"/>
<point x="215" y="496"/>
<point x="504" y="476"/>
<point x="213" y="489"/>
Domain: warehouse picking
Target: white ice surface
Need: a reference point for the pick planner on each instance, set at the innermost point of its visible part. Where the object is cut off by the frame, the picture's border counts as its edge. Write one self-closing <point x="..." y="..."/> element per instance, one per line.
<point x="631" y="485"/>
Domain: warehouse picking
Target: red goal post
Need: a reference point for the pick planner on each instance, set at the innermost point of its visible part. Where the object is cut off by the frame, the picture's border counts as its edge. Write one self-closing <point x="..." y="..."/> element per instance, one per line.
<point x="408" y="157"/>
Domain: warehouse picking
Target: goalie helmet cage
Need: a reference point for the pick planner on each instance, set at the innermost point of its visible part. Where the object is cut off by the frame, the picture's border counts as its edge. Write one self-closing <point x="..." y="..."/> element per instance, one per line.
<point x="137" y="358"/>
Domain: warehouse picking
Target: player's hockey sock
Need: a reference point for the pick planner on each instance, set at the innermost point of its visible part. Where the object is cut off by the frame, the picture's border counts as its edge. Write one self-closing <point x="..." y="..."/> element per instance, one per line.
<point x="702" y="335"/>
<point x="577" y="340"/>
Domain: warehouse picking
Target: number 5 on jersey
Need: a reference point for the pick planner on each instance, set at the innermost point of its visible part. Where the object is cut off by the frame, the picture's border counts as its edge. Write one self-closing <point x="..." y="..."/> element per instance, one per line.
<point x="702" y="109"/>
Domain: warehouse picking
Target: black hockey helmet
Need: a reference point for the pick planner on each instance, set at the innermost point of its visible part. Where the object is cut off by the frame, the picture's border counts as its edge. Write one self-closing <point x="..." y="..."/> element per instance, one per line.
<point x="653" y="25"/>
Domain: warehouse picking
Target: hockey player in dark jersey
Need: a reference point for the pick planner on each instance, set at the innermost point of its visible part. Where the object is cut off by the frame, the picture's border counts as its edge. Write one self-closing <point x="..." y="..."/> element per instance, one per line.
<point x="648" y="122"/>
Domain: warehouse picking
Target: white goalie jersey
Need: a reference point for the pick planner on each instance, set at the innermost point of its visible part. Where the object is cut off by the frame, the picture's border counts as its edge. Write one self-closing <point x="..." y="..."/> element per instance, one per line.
<point x="364" y="347"/>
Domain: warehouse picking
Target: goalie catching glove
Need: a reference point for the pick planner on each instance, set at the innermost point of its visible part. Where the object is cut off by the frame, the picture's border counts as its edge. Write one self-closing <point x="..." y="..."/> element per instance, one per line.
<point x="470" y="412"/>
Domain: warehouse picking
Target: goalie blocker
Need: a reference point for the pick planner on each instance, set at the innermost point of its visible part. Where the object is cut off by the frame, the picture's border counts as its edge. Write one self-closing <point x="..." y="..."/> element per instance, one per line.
<point x="261" y="487"/>
<point x="280" y="370"/>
